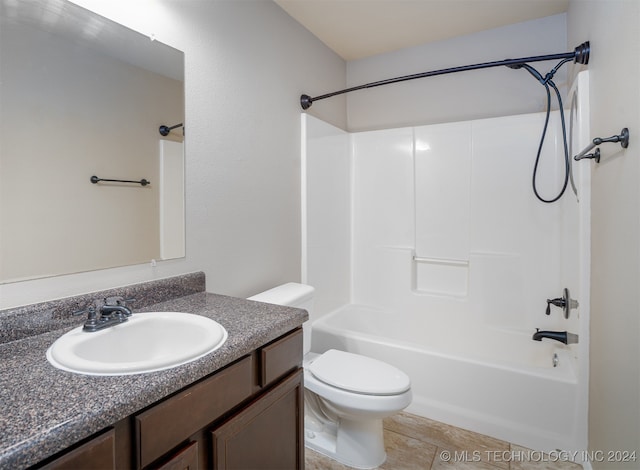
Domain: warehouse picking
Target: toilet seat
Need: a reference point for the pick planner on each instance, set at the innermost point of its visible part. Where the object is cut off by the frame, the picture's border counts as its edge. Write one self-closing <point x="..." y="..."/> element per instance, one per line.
<point x="358" y="374"/>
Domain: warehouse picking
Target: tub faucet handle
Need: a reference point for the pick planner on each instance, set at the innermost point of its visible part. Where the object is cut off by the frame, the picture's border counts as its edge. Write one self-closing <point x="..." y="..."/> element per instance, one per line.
<point x="566" y="303"/>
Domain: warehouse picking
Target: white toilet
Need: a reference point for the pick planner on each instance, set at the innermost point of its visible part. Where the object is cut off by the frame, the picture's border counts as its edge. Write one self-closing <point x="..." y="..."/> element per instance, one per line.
<point x="346" y="395"/>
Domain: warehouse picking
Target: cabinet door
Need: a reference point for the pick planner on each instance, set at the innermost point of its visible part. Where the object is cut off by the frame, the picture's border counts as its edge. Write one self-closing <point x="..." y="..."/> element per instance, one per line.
<point x="185" y="459"/>
<point x="98" y="454"/>
<point x="268" y="434"/>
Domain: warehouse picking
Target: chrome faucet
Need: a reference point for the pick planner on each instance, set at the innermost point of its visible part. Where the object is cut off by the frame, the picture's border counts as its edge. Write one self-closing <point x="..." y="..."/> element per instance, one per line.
<point x="112" y="312"/>
<point x="562" y="336"/>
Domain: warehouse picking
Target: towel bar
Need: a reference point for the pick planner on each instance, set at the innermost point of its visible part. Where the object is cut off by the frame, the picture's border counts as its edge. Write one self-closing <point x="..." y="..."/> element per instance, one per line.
<point x="143" y="182"/>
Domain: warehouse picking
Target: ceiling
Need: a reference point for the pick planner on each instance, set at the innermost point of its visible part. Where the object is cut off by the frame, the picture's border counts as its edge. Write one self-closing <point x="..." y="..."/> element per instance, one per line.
<point x="360" y="28"/>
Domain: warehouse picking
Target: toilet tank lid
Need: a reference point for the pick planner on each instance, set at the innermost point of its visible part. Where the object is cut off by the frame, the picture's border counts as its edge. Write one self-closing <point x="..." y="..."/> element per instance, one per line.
<point x="290" y="294"/>
<point x="359" y="374"/>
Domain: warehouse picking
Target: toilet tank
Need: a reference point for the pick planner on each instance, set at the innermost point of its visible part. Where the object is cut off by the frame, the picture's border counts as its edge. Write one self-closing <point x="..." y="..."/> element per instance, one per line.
<point x="295" y="295"/>
<point x="291" y="294"/>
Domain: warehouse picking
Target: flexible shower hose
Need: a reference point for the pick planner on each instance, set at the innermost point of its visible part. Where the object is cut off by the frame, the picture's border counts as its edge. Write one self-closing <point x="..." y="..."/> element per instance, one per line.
<point x="547" y="82"/>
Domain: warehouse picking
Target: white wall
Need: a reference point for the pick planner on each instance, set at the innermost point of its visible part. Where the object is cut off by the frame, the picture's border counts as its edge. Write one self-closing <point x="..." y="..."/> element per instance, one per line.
<point x="246" y="64"/>
<point x="614" y="68"/>
<point x="461" y="96"/>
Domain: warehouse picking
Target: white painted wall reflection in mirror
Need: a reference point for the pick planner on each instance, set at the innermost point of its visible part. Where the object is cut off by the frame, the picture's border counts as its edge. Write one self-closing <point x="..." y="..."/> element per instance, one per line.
<point x="80" y="96"/>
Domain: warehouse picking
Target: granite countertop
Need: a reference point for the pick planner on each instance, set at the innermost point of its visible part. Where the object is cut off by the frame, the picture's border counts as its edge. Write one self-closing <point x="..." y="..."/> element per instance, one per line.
<point x="44" y="410"/>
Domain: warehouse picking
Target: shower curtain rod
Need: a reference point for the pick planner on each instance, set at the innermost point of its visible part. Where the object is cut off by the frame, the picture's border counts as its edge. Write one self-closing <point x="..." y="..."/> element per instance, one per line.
<point x="579" y="55"/>
<point x="164" y="130"/>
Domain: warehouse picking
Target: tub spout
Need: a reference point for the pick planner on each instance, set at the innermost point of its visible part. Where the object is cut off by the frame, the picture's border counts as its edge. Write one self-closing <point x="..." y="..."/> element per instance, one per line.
<point x="562" y="336"/>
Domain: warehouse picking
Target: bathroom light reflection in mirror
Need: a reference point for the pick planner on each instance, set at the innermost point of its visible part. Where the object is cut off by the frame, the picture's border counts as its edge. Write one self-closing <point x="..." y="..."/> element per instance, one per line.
<point x="79" y="96"/>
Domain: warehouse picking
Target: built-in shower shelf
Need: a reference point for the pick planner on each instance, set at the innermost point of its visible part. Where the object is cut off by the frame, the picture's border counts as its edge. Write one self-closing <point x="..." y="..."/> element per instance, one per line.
<point x="441" y="276"/>
<point x="441" y="261"/>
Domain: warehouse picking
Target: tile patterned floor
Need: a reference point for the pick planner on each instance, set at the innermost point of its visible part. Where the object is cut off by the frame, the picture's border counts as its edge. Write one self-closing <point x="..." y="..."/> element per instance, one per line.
<point x="415" y="443"/>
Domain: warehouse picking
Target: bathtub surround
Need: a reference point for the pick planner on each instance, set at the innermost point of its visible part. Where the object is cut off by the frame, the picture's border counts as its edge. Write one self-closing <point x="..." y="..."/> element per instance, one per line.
<point x="449" y="259"/>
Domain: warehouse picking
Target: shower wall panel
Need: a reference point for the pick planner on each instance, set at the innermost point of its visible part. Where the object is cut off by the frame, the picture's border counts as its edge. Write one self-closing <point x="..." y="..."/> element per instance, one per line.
<point x="510" y="226"/>
<point x="445" y="222"/>
<point x="383" y="215"/>
<point x="326" y="214"/>
<point x="442" y="190"/>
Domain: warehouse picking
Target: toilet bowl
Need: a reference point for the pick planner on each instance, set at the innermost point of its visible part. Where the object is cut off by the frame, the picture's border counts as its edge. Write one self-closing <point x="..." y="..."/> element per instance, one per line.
<point x="346" y="395"/>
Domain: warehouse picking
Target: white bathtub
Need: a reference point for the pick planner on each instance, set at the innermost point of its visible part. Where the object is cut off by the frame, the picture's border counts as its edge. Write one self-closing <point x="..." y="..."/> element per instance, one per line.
<point x="496" y="382"/>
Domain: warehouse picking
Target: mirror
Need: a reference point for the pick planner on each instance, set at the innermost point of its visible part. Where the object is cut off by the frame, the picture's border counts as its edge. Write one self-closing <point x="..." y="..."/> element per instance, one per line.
<point x="82" y="96"/>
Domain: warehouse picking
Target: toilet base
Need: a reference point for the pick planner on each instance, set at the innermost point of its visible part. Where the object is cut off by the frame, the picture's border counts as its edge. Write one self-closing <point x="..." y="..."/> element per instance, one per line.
<point x="358" y="444"/>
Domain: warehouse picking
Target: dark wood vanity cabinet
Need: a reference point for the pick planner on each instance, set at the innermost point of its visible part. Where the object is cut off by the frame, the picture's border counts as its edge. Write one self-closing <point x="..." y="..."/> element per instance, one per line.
<point x="248" y="415"/>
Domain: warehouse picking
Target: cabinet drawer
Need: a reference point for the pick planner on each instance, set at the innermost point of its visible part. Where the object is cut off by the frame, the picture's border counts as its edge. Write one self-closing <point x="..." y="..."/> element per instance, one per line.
<point x="98" y="453"/>
<point x="161" y="428"/>
<point x="280" y="357"/>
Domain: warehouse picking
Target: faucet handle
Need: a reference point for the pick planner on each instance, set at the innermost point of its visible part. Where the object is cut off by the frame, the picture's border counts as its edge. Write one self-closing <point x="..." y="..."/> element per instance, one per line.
<point x="92" y="317"/>
<point x="117" y="300"/>
<point x="565" y="302"/>
<point x="559" y="302"/>
<point x="90" y="311"/>
<point x="113" y="300"/>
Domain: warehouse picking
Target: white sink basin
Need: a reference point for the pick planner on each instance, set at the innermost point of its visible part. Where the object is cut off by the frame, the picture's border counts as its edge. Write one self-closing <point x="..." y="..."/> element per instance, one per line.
<point x="147" y="342"/>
